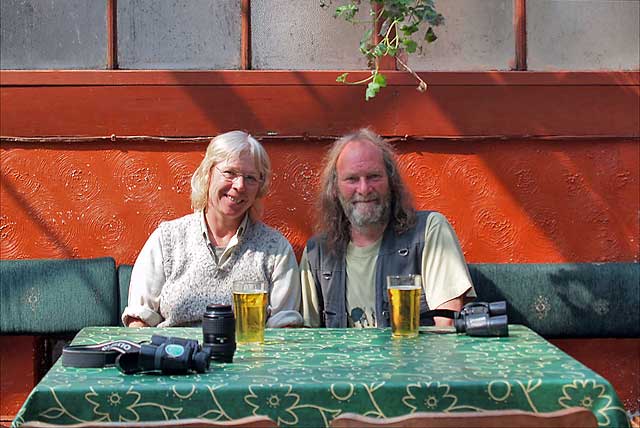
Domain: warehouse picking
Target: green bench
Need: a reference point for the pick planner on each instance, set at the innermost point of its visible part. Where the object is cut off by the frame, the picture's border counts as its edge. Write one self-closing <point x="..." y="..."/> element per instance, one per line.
<point x="57" y="296"/>
<point x="565" y="300"/>
<point x="43" y="304"/>
<point x="556" y="300"/>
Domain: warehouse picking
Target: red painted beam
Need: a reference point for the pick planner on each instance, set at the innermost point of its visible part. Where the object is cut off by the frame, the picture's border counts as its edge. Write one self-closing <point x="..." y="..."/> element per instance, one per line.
<point x="453" y="106"/>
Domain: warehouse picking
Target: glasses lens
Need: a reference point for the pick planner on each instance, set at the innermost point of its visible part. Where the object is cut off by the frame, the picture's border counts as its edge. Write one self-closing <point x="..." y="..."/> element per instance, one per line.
<point x="230" y="175"/>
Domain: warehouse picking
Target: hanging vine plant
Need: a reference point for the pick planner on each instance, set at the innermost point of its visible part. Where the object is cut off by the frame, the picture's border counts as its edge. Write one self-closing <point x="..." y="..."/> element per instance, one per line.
<point x="398" y="22"/>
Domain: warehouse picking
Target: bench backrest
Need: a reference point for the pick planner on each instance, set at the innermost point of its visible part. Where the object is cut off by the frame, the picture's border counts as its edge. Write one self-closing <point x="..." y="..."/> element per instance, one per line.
<point x="565" y="299"/>
<point x="555" y="300"/>
<point x="57" y="296"/>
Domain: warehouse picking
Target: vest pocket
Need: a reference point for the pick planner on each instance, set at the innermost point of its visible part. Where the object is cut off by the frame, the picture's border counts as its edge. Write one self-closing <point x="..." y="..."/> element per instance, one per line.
<point x="333" y="320"/>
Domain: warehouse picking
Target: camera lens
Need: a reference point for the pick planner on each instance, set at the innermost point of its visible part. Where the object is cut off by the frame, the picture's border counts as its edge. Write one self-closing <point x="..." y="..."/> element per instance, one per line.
<point x="219" y="332"/>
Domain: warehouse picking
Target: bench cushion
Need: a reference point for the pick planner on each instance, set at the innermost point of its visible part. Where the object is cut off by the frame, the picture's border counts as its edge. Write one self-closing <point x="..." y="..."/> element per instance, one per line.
<point x="57" y="296"/>
<point x="566" y="299"/>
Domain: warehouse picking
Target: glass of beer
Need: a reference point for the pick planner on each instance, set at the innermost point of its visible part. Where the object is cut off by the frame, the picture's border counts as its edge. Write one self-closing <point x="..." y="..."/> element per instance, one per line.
<point x="250" y="305"/>
<point x="404" y="301"/>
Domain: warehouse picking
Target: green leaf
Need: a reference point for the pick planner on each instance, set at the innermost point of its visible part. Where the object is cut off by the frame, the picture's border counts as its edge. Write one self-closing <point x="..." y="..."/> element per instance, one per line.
<point x="409" y="45"/>
<point x="408" y="30"/>
<point x="380" y="50"/>
<point x="430" y="36"/>
<point x="342" y="78"/>
<point x="407" y="17"/>
<point x="365" y="43"/>
<point x="380" y="80"/>
<point x="347" y="12"/>
<point x="372" y="89"/>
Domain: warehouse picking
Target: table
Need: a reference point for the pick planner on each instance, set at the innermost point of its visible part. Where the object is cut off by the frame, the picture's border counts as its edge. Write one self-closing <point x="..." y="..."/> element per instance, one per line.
<point x="306" y="377"/>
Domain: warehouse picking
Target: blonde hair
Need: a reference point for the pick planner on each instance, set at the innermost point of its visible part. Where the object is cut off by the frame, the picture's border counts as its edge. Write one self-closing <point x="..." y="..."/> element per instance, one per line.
<point x="222" y="148"/>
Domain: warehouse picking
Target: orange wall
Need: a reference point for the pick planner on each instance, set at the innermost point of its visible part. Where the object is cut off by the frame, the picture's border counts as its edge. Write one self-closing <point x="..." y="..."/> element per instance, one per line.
<point x="529" y="167"/>
<point x="515" y="201"/>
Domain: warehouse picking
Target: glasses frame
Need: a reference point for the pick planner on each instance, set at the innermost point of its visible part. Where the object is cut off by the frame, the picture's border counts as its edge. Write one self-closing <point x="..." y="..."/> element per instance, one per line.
<point x="231" y="176"/>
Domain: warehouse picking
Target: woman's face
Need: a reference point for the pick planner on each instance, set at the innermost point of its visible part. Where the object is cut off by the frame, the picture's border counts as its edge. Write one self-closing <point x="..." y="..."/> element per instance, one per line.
<point x="233" y="187"/>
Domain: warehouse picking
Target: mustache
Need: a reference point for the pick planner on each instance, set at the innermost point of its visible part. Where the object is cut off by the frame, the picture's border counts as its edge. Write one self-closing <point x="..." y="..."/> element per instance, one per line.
<point x="370" y="198"/>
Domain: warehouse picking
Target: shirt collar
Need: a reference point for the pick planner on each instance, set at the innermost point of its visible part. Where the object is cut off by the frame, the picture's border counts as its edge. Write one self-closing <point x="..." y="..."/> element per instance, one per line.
<point x="236" y="237"/>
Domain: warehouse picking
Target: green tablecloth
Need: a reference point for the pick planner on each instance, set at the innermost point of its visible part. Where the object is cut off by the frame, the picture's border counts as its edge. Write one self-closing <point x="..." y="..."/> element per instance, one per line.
<point x="306" y="377"/>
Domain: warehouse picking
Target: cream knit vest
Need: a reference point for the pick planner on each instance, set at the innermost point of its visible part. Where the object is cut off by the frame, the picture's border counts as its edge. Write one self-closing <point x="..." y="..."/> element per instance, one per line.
<point x="193" y="278"/>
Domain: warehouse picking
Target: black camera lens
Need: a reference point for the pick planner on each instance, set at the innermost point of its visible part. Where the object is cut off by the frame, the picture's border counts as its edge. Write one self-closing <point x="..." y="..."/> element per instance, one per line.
<point x="219" y="332"/>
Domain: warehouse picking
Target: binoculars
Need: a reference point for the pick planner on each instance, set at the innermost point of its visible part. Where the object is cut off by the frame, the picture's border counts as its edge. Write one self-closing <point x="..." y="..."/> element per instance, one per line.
<point x="173" y="355"/>
<point x="482" y="319"/>
<point x="169" y="355"/>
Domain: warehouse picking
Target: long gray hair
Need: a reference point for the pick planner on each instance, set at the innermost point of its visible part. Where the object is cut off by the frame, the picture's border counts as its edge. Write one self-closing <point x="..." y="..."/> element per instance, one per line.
<point x="332" y="221"/>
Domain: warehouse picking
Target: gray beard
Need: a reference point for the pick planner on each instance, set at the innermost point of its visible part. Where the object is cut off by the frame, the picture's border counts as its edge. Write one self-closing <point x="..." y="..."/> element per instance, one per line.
<point x="379" y="215"/>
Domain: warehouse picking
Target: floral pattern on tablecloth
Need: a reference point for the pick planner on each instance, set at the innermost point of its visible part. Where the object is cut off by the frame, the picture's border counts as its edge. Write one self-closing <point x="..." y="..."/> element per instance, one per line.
<point x="307" y="377"/>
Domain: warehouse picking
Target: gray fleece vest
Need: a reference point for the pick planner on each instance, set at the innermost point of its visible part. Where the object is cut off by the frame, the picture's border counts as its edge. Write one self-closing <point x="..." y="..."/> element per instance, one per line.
<point x="398" y="255"/>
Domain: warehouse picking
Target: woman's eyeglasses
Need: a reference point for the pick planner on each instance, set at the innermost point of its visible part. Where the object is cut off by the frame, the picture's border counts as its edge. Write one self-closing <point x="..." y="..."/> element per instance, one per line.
<point x="231" y="176"/>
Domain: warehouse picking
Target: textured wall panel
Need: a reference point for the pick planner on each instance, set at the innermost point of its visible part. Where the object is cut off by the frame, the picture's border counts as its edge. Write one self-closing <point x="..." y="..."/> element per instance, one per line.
<point x="49" y="34"/>
<point x="304" y="37"/>
<point x="521" y="201"/>
<point x="583" y="35"/>
<point x="179" y="34"/>
<point x="476" y="35"/>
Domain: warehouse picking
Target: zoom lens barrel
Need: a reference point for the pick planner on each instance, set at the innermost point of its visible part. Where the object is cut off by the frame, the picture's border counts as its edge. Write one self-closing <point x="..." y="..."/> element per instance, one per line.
<point x="219" y="332"/>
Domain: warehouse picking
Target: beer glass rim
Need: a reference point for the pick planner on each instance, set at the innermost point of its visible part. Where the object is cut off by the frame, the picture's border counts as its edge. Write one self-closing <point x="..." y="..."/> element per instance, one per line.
<point x="249" y="285"/>
<point x="413" y="281"/>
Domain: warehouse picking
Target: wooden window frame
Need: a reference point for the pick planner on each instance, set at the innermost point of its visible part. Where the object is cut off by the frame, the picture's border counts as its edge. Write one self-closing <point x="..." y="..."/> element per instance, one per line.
<point x="386" y="63"/>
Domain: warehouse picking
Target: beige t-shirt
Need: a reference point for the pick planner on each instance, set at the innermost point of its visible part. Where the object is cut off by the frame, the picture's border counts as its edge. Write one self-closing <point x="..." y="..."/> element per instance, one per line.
<point x="361" y="294"/>
<point x="444" y="271"/>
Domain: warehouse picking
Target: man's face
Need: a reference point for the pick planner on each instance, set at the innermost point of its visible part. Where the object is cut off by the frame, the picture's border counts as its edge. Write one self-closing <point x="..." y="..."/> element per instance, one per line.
<point x="363" y="184"/>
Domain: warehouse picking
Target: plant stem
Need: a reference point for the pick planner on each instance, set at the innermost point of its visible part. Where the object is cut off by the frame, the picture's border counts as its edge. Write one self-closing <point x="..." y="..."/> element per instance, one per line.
<point x="423" y="85"/>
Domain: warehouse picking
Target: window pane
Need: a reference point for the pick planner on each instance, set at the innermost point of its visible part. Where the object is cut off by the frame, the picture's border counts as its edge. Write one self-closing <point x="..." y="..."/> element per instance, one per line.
<point x="179" y="34"/>
<point x="301" y="35"/>
<point x="583" y="35"/>
<point x="38" y="34"/>
<point x="476" y="35"/>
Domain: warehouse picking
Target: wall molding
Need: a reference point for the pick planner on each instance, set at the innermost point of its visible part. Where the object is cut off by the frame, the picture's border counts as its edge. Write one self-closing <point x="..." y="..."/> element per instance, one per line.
<point x="134" y="139"/>
<point x="309" y="78"/>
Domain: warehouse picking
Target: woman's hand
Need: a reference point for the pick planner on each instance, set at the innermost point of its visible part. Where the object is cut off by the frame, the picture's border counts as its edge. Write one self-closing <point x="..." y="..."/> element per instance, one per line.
<point x="136" y="322"/>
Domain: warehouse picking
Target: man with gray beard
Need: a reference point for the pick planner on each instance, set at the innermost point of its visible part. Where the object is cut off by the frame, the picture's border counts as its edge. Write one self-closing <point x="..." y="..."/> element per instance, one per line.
<point x="369" y="229"/>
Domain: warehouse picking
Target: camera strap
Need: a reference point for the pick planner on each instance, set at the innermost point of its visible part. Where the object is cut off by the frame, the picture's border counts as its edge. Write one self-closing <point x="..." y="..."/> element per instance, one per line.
<point x="445" y="313"/>
<point x="98" y="355"/>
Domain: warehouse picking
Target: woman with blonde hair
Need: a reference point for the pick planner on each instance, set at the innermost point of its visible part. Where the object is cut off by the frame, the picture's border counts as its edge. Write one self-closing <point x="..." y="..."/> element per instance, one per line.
<point x="192" y="261"/>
